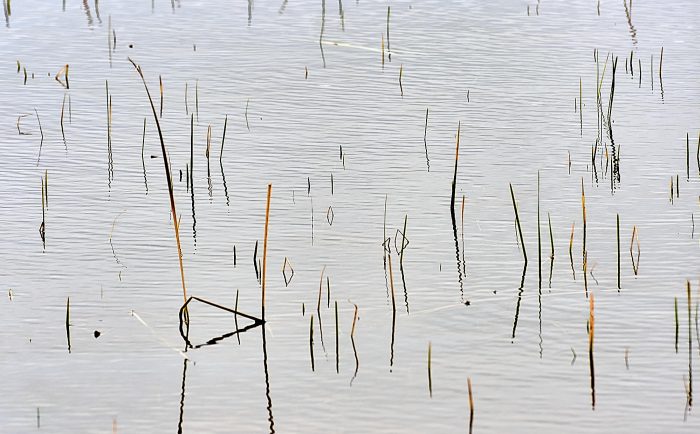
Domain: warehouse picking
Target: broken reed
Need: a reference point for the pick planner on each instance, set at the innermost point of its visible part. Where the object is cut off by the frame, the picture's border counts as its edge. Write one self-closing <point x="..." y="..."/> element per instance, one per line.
<point x="168" y="177"/>
<point x="223" y="139"/>
<point x="517" y="222"/>
<point x="635" y="236"/>
<point x="64" y="71"/>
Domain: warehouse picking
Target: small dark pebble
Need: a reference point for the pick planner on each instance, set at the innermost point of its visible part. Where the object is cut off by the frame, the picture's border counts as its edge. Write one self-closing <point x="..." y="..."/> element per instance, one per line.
<point x="131" y="45"/>
<point x="97" y="334"/>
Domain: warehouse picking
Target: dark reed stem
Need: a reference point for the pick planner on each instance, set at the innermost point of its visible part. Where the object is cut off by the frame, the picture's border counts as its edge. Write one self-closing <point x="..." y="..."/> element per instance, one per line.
<point x="143" y="162"/>
<point x="425" y="140"/>
<point x="223" y="140"/>
<point x="517" y="222"/>
<point x="539" y="237"/>
<point x="168" y="178"/>
<point x="618" y="253"/>
<point x="388" y="41"/>
<point x="311" y="342"/>
<point x="41" y="131"/>
<point x="68" y="322"/>
<point x="196" y="99"/>
<point x="235" y="317"/>
<point x="690" y="348"/>
<point x="591" y="332"/>
<point x="160" y="81"/>
<point x="337" y="353"/>
<point x="403" y="240"/>
<point x="571" y="249"/>
<point x="430" y="374"/>
<point x="454" y="179"/>
<point x="675" y="315"/>
<point x="687" y="156"/>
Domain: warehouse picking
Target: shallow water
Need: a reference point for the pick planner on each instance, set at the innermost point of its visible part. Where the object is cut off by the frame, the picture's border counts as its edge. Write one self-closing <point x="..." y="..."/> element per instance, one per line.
<point x="510" y="79"/>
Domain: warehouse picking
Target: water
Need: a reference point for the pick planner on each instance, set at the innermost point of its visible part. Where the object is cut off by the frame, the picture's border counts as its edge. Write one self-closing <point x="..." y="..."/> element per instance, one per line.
<point x="110" y="245"/>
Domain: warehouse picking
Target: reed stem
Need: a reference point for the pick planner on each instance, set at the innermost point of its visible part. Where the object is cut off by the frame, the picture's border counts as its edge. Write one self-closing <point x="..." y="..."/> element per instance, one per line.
<point x="168" y="178"/>
<point x="517" y="221"/>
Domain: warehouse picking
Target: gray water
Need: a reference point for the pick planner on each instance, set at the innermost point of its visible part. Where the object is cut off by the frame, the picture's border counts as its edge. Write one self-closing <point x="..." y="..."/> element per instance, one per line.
<point x="511" y="80"/>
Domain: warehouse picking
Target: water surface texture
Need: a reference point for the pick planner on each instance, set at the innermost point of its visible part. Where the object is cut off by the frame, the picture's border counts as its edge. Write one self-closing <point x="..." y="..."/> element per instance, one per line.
<point x="327" y="101"/>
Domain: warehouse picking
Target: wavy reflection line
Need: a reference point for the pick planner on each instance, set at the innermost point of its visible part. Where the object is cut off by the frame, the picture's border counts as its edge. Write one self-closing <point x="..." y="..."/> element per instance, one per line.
<point x="194" y="217"/>
<point x="270" y="418"/>
<point x="517" y="306"/>
<point x="182" y="396"/>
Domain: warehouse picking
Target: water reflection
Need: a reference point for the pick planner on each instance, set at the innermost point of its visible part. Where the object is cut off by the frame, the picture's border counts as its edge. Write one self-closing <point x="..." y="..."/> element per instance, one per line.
<point x="7" y="11"/>
<point x="517" y="306"/>
<point x="323" y="26"/>
<point x="86" y="8"/>
<point x="194" y="217"/>
<point x="182" y="394"/>
<point x="267" y="381"/>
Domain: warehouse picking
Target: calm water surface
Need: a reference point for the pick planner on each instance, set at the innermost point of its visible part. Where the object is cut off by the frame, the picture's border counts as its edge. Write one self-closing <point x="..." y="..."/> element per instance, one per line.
<point x="298" y="80"/>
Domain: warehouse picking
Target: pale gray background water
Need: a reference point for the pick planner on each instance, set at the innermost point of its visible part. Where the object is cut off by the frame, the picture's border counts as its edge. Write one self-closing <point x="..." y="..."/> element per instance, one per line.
<point x="522" y="74"/>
